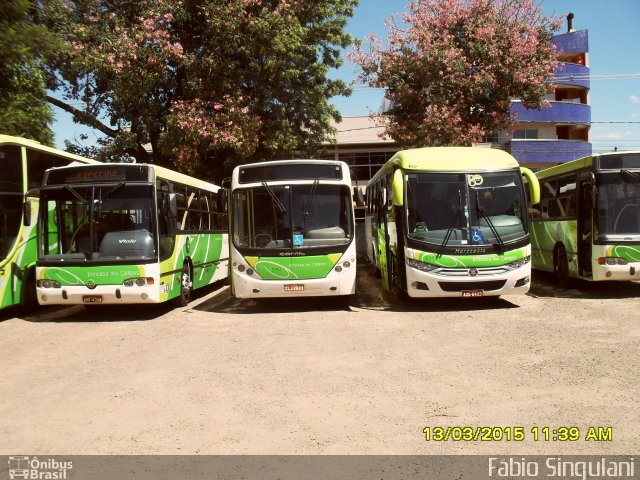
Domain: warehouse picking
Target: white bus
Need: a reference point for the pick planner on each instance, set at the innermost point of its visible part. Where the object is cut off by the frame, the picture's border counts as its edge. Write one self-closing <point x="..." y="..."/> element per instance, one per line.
<point x="293" y="230"/>
<point x="451" y="222"/>
<point x="128" y="233"/>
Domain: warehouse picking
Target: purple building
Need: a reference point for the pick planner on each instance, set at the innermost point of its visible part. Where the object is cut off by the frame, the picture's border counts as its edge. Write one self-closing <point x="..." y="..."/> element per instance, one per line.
<point x="559" y="133"/>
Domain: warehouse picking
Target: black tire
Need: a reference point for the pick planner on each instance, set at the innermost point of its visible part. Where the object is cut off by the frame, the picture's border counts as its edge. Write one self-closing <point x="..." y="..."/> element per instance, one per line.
<point x="186" y="285"/>
<point x="561" y="267"/>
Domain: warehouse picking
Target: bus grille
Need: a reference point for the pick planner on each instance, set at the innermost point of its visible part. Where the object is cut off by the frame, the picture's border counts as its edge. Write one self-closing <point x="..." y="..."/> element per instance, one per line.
<point x="464" y="272"/>
<point x="459" y="286"/>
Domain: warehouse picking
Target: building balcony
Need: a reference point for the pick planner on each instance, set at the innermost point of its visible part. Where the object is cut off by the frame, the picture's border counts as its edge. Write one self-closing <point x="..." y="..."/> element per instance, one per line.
<point x="548" y="151"/>
<point x="572" y="42"/>
<point x="557" y="112"/>
<point x="573" y="75"/>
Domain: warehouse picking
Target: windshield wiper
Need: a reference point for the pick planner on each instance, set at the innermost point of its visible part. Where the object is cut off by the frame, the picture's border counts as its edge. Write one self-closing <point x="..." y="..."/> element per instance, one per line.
<point x="275" y="199"/>
<point x="629" y="176"/>
<point x="311" y="196"/>
<point x="111" y="192"/>
<point x="456" y="219"/>
<point x="492" y="227"/>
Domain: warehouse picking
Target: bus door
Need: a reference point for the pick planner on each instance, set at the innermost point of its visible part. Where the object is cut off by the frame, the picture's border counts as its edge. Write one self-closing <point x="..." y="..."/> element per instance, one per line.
<point x="585" y="222"/>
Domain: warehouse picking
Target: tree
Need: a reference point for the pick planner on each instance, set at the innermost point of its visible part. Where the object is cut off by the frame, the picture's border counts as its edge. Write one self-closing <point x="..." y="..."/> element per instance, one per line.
<point x="452" y="67"/>
<point x="24" y="110"/>
<point x="201" y="81"/>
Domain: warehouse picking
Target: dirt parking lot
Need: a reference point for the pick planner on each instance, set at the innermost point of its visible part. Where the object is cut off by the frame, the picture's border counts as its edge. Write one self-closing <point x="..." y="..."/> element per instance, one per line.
<point x="362" y="376"/>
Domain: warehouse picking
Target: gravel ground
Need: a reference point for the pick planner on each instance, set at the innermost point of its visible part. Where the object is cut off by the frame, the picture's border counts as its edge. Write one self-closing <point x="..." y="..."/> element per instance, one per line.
<point x="359" y="376"/>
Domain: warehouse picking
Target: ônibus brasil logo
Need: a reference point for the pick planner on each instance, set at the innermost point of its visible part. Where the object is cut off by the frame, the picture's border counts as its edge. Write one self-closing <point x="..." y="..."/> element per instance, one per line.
<point x="38" y="469"/>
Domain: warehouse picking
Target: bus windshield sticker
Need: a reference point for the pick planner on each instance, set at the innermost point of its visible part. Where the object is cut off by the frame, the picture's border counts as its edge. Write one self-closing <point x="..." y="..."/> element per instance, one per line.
<point x="475" y="180"/>
<point x="298" y="240"/>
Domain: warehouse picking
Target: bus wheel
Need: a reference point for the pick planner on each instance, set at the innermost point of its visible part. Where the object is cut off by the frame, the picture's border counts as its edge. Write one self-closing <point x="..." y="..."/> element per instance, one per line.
<point x="561" y="267"/>
<point x="186" y="284"/>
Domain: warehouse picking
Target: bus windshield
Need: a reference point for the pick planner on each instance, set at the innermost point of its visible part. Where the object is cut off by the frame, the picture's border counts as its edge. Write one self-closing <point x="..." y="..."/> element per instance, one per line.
<point x="100" y="223"/>
<point x="472" y="209"/>
<point x="618" y="205"/>
<point x="292" y="216"/>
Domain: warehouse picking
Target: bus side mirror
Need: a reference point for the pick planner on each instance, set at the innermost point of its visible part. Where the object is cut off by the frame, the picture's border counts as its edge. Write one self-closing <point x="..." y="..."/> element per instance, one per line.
<point x="397" y="187"/>
<point x="222" y="200"/>
<point x="589" y="196"/>
<point x="226" y="183"/>
<point x="534" y="185"/>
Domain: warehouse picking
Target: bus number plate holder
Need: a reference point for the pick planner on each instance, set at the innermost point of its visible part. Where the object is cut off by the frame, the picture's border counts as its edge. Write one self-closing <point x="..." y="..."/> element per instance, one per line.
<point x="294" y="288"/>
<point x="472" y="293"/>
<point x="92" y="299"/>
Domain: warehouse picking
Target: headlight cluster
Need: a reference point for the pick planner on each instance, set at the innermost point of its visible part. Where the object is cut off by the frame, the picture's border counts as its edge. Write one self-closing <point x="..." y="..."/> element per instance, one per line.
<point x="344" y="265"/>
<point x="138" y="282"/>
<point x="518" y="263"/>
<point x="46" y="283"/>
<point x="612" y="261"/>
<point x="242" y="268"/>
<point x="418" y="265"/>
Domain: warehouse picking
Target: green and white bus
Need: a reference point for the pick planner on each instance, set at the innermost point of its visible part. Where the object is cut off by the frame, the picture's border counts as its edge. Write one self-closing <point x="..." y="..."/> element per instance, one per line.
<point x="22" y="166"/>
<point x="128" y="233"/>
<point x="293" y="229"/>
<point x="450" y="222"/>
<point x="587" y="224"/>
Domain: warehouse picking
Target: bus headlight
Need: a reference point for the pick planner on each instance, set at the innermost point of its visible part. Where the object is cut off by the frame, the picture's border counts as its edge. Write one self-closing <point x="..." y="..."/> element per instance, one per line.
<point x="345" y="265"/>
<point x="46" y="283"/>
<point x="612" y="261"/>
<point x="418" y="265"/>
<point x="518" y="263"/>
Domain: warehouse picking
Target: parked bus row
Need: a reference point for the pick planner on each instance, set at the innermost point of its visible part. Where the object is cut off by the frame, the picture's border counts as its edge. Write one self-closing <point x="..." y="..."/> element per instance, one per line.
<point x="439" y="222"/>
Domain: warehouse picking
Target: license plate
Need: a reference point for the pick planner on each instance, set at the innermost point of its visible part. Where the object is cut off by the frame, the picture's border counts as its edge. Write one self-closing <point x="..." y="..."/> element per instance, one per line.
<point x="92" y="299"/>
<point x="472" y="293"/>
<point x="294" y="288"/>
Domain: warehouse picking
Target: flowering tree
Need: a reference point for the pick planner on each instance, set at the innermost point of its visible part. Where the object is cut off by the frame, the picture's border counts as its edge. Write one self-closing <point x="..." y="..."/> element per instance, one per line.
<point x="201" y="80"/>
<point x="451" y="67"/>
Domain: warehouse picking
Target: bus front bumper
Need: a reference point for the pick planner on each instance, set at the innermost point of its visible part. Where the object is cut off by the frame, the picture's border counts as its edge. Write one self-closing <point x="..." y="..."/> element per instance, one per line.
<point x="101" y="295"/>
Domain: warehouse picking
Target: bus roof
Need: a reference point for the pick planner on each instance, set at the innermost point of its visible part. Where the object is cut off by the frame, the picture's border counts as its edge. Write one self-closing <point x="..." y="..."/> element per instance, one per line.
<point x="451" y="159"/>
<point x="584" y="162"/>
<point x="292" y="161"/>
<point x="34" y="144"/>
<point x="161" y="172"/>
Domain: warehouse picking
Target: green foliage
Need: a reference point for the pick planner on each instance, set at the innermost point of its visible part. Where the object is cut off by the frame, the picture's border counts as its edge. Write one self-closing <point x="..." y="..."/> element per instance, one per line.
<point x="205" y="83"/>
<point x="24" y="110"/>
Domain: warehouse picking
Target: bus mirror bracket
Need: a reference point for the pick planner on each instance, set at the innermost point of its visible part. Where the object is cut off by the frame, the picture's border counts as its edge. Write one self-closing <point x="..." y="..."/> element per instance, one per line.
<point x="27" y="213"/>
<point x="534" y="185"/>
<point x="398" y="188"/>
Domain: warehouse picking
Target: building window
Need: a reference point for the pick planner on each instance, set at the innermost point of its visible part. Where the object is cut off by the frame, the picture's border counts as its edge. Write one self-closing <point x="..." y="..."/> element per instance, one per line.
<point x="526" y="134"/>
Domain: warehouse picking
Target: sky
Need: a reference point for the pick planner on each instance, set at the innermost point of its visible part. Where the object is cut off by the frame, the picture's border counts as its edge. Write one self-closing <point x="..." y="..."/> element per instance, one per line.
<point x="614" y="60"/>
